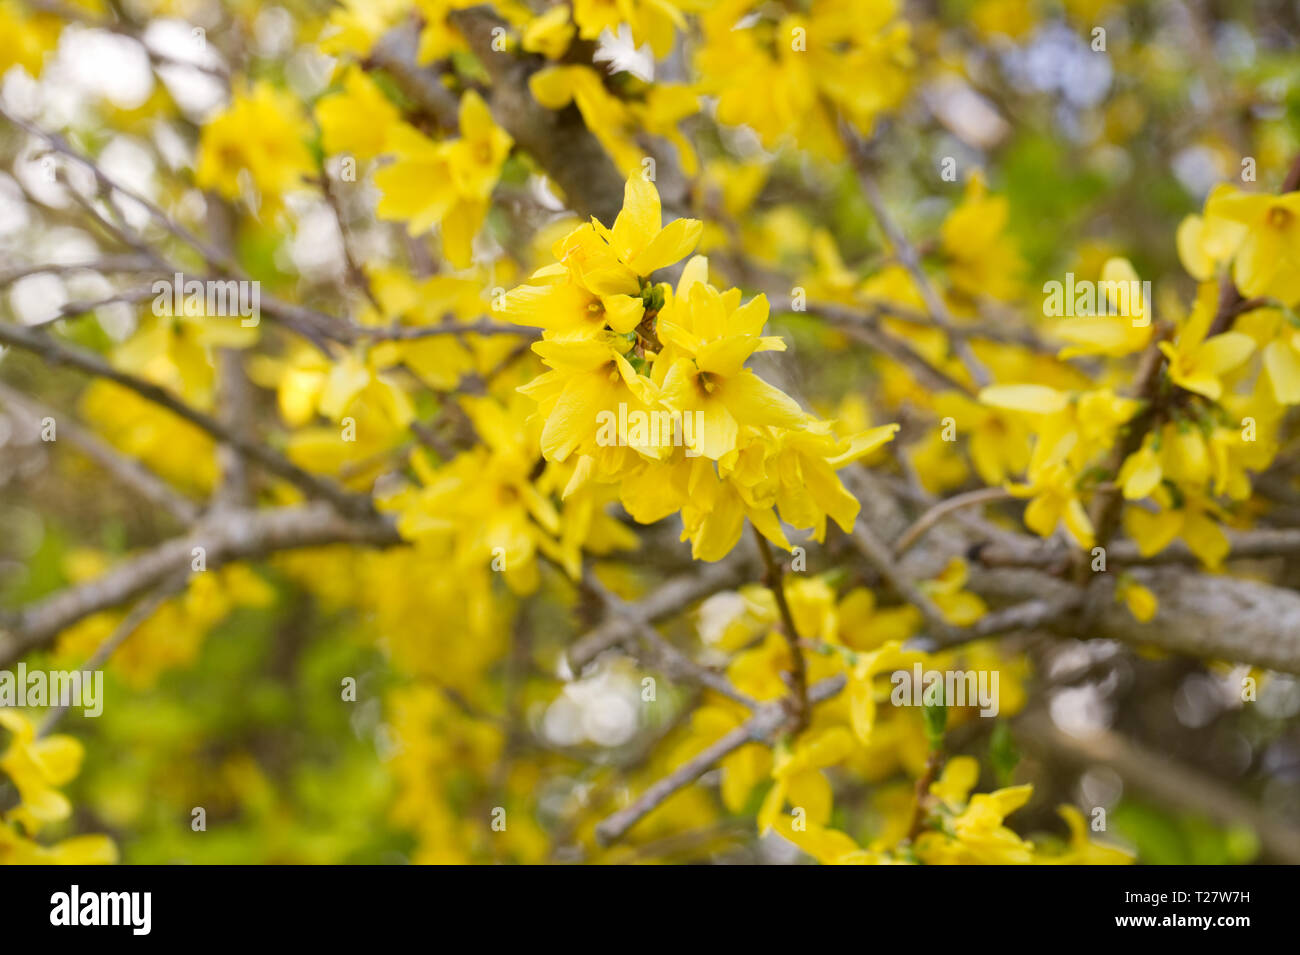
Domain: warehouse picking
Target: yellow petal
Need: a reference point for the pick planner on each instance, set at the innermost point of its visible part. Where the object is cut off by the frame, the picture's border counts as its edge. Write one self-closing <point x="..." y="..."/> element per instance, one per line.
<point x="1034" y="399"/>
<point x="1283" y="366"/>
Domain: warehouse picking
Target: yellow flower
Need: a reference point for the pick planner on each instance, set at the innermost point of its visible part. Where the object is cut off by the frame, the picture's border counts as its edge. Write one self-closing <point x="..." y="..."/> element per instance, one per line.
<point x="639" y="239"/>
<point x="358" y="120"/>
<point x="829" y="846"/>
<point x="865" y="626"/>
<point x="862" y="690"/>
<point x="447" y="183"/>
<point x="598" y="281"/>
<point x="1267" y="261"/>
<point x="977" y="836"/>
<point x="998" y="441"/>
<point x="608" y="118"/>
<point x="16" y="849"/>
<point x="1141" y="602"/>
<point x="1197" y="363"/>
<point x="959" y="606"/>
<point x="1141" y="472"/>
<point x="712" y="336"/>
<point x="262" y="135"/>
<point x="983" y="259"/>
<point x="651" y="21"/>
<point x="800" y="780"/>
<point x="588" y="379"/>
<point x="959" y="776"/>
<point x="1125" y="327"/>
<point x="36" y="767"/>
<point x="355" y="25"/>
<point x="1082" y="851"/>
<point x="666" y="105"/>
<point x="787" y="78"/>
<point x="550" y="33"/>
<point x="1052" y="481"/>
<point x="1193" y="522"/>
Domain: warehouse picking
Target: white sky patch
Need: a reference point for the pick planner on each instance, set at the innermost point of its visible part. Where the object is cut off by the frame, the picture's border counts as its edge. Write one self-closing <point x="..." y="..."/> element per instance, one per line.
<point x="1198" y="169"/>
<point x="316" y="249"/>
<point x="600" y="708"/>
<point x="196" y="92"/>
<point x="1081" y="710"/>
<point x="106" y="64"/>
<point x="37" y="298"/>
<point x="621" y="54"/>
<point x="14" y="215"/>
<point x="128" y="163"/>
<point x="273" y="31"/>
<point x="308" y="72"/>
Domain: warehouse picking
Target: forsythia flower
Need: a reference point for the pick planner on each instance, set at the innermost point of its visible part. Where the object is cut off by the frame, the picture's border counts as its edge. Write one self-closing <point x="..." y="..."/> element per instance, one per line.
<point x="549" y="34"/>
<point x="261" y="134"/>
<point x="1197" y="363"/>
<point x="1123" y="323"/>
<point x="35" y="767"/>
<point x="608" y="118"/>
<point x="651" y="21"/>
<point x="983" y="259"/>
<point x="1266" y="262"/>
<point x="711" y="438"/>
<point x="447" y="183"/>
<point x="787" y="77"/>
<point x="359" y="119"/>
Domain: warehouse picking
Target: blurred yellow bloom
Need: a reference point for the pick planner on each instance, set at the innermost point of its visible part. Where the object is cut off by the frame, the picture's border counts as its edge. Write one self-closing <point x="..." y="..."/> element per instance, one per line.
<point x="36" y="767"/>
<point x="1267" y="260"/>
<point x="358" y="120"/>
<point x="447" y="183"/>
<point x="262" y="135"/>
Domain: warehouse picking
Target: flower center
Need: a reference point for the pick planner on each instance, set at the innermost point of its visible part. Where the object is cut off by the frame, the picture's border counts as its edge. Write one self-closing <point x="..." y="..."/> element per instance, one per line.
<point x="1279" y="218"/>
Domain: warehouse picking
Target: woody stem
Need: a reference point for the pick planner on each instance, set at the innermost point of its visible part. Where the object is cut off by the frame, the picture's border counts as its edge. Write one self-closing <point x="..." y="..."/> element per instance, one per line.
<point x="773" y="580"/>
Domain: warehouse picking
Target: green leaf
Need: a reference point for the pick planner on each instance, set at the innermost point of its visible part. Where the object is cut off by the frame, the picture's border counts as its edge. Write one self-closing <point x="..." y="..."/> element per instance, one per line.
<point x="1003" y="753"/>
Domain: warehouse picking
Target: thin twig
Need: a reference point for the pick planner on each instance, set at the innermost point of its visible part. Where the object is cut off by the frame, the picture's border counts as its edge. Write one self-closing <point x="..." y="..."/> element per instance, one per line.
<point x="133" y="620"/>
<point x="908" y="257"/>
<point x="797" y="676"/>
<point x="937" y="513"/>
<point x="57" y="353"/>
<point x="126" y="469"/>
<point x="770" y="719"/>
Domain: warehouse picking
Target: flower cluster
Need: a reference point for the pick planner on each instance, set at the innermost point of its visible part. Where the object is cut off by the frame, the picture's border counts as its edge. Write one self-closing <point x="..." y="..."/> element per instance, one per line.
<point x="614" y="339"/>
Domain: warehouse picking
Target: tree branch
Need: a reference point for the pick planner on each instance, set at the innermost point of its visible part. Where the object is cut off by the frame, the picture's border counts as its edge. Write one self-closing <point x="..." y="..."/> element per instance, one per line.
<point x="229" y="536"/>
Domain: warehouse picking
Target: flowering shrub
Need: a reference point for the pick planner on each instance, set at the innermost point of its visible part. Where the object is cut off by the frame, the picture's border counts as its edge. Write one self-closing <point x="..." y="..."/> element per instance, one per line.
<point x="673" y="431"/>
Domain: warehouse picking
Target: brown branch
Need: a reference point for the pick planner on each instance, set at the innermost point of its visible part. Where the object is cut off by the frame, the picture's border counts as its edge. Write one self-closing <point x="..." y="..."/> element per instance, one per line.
<point x="881" y="558"/>
<point x="229" y="536"/>
<point x="129" y="624"/>
<point x="559" y="141"/>
<point x="1162" y="778"/>
<point x="910" y="260"/>
<point x="797" y="677"/>
<point x="402" y="333"/>
<point x="673" y="661"/>
<point x="770" y="719"/>
<point x="127" y="470"/>
<point x="941" y="510"/>
<point x="57" y="353"/>
<point x="669" y="598"/>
